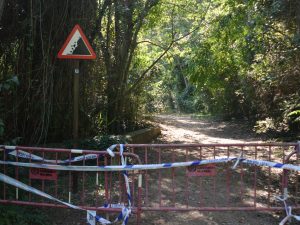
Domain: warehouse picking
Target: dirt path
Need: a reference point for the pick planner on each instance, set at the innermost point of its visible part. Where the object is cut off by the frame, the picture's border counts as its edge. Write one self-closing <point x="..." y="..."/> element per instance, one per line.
<point x="184" y="129"/>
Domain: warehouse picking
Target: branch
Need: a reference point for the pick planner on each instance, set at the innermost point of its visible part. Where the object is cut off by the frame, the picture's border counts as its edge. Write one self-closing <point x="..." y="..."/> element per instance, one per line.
<point x="99" y="21"/>
<point x="97" y="29"/>
<point x="166" y="50"/>
<point x="108" y="33"/>
<point x="138" y="25"/>
<point x="143" y="75"/>
<point x="139" y="80"/>
<point x="152" y="43"/>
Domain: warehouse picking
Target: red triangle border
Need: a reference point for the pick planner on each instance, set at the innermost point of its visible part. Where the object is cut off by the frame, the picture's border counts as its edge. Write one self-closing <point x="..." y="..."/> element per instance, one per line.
<point x="92" y="56"/>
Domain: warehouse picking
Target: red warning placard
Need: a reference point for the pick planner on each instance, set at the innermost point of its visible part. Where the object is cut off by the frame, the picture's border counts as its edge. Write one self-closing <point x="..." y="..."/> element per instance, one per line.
<point x="42" y="174"/>
<point x="208" y="170"/>
<point x="76" y="46"/>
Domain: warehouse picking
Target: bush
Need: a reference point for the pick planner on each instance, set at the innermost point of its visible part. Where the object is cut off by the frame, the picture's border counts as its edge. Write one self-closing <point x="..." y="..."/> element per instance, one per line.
<point x="22" y="216"/>
<point x="96" y="143"/>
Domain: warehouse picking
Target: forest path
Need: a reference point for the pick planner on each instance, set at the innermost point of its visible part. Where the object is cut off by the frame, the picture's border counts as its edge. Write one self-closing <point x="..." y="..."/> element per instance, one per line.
<point x="187" y="130"/>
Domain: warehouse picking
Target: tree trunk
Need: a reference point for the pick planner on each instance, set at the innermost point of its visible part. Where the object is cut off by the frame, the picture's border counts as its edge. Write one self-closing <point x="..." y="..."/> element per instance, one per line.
<point x="298" y="17"/>
<point x="118" y="44"/>
<point x="114" y="101"/>
<point x="2" y="3"/>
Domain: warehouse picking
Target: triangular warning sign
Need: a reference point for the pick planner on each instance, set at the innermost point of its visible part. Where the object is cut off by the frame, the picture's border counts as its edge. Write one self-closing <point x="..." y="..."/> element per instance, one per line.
<point x="76" y="46"/>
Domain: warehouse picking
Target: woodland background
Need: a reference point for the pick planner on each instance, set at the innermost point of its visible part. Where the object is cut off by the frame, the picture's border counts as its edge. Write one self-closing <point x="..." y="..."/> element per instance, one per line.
<point x="232" y="58"/>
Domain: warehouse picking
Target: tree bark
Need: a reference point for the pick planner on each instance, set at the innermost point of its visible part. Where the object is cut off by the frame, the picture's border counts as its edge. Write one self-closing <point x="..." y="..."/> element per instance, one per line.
<point x="2" y="3"/>
<point x="298" y="17"/>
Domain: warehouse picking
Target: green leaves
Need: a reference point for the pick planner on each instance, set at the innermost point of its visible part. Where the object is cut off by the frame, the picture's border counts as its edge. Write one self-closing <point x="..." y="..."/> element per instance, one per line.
<point x="295" y="113"/>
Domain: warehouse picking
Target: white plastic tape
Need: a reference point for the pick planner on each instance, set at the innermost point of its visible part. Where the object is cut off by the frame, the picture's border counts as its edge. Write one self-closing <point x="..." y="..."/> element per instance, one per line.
<point x="120" y="167"/>
<point x="91" y="215"/>
<point x="26" y="155"/>
<point x="76" y="151"/>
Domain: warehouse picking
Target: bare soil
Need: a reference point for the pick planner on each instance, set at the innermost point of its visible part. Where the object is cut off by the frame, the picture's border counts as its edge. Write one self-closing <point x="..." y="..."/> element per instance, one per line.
<point x="185" y="129"/>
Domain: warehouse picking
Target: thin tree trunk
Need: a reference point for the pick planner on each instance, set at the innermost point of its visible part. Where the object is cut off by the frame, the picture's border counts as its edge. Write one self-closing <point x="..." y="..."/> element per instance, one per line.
<point x="298" y="18"/>
<point x="118" y="44"/>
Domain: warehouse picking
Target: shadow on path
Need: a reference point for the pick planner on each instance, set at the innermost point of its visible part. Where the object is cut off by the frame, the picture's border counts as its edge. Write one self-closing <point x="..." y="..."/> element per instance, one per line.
<point x="187" y="130"/>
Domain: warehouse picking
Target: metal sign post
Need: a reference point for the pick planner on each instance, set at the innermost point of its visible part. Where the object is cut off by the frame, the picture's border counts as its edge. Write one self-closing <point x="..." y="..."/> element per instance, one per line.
<point x="75" y="120"/>
<point x="76" y="104"/>
<point x="76" y="47"/>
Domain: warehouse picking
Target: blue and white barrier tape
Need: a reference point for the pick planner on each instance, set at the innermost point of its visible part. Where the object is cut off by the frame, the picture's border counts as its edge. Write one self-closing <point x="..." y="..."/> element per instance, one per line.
<point x="154" y="166"/>
<point x="25" y="187"/>
<point x="125" y="210"/>
<point x="91" y="215"/>
<point x="120" y="167"/>
<point x="237" y="161"/>
<point x="275" y="165"/>
<point x="111" y="149"/>
<point x="288" y="210"/>
<point x="11" y="150"/>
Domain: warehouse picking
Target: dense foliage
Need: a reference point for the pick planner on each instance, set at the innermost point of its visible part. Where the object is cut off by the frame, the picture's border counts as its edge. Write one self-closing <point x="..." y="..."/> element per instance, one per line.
<point x="236" y="58"/>
<point x="40" y="108"/>
<point x="242" y="62"/>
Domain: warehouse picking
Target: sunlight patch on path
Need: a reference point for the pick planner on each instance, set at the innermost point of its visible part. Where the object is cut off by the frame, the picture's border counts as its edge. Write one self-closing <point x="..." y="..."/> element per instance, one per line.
<point x="183" y="129"/>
